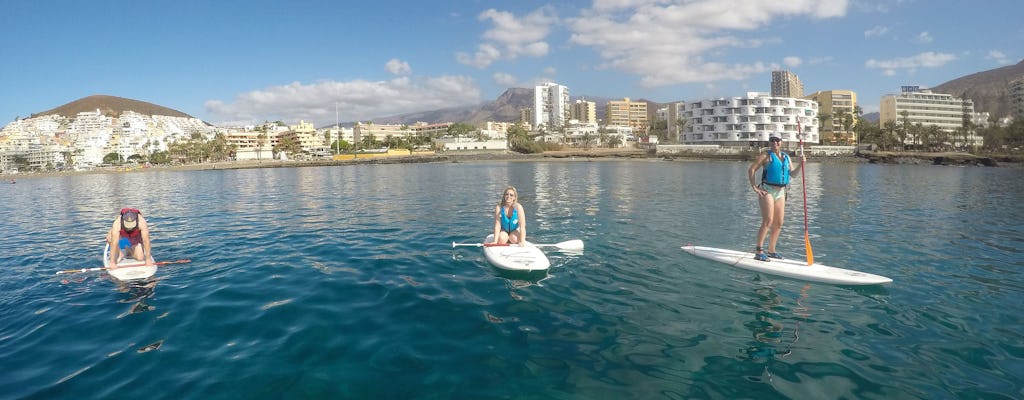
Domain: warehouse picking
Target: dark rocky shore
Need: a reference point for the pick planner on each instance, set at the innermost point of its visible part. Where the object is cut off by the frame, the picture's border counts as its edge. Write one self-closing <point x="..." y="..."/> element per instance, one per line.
<point x="947" y="159"/>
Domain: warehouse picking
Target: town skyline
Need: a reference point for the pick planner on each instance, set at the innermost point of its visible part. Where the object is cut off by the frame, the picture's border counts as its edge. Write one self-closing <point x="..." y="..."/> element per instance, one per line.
<point x="271" y="62"/>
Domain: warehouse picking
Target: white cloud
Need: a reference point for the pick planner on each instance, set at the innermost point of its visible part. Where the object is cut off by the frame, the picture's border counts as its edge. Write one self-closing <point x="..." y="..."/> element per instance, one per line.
<point x="484" y="56"/>
<point x="504" y="79"/>
<point x="820" y="60"/>
<point x="687" y="36"/>
<point x="911" y="64"/>
<point x="923" y="37"/>
<point x="398" y="67"/>
<point x="877" y="31"/>
<point x="998" y="56"/>
<point x="511" y="37"/>
<point x="356" y="100"/>
<point x="792" y="62"/>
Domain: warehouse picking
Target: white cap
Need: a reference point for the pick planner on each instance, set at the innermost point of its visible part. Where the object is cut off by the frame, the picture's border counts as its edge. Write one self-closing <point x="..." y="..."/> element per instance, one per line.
<point x="774" y="135"/>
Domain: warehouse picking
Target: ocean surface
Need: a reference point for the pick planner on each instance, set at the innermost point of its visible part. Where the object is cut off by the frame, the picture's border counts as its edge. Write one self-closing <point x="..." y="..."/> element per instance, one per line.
<point x="341" y="282"/>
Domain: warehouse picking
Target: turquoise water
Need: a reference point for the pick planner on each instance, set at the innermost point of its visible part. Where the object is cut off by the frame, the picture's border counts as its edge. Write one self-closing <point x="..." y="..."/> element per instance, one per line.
<point x="341" y="282"/>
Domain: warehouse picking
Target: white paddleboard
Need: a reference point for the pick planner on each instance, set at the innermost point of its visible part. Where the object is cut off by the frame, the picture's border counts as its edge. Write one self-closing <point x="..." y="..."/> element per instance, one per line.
<point x="128" y="268"/>
<point x="515" y="257"/>
<point x="788" y="268"/>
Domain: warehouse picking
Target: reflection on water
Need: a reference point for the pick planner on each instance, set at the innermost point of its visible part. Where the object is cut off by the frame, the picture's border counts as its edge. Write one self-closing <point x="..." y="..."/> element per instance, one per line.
<point x="137" y="291"/>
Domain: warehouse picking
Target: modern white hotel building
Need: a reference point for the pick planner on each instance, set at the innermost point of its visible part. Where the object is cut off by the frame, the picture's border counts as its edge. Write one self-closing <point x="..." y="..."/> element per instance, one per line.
<point x="921" y="106"/>
<point x="744" y="121"/>
<point x="550" y="105"/>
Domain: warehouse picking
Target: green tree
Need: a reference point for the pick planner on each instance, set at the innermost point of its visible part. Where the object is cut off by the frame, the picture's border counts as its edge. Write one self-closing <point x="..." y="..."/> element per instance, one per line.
<point x="461" y="129"/>
<point x="613" y="141"/>
<point x="341" y="145"/>
<point x="160" y="157"/>
<point x="904" y="130"/>
<point x="112" y="158"/>
<point x="823" y="122"/>
<point x="261" y="140"/>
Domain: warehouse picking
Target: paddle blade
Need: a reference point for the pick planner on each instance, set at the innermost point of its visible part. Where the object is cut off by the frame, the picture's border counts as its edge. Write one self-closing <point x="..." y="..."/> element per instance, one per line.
<point x="575" y="244"/>
<point x="810" y="253"/>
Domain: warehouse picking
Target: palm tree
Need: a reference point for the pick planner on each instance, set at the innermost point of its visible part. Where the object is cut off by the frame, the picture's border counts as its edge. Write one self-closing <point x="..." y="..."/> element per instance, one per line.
<point x="261" y="139"/>
<point x="822" y="119"/>
<point x="890" y="134"/>
<point x="904" y="129"/>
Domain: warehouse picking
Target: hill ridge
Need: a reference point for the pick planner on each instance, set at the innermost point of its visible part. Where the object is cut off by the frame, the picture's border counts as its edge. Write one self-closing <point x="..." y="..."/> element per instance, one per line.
<point x="110" y="105"/>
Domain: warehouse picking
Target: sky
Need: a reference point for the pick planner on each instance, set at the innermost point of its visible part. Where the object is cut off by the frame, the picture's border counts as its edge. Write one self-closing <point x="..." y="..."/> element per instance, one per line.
<point x="231" y="62"/>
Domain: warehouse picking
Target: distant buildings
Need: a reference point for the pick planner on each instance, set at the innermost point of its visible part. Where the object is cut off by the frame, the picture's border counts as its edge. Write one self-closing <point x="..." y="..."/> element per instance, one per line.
<point x="54" y="141"/>
<point x="583" y="111"/>
<point x="837" y="114"/>
<point x="627" y="113"/>
<point x="550" y="106"/>
<point x="380" y="132"/>
<point x="1017" y="97"/>
<point x="747" y="121"/>
<point x="915" y="105"/>
<point x="786" y="84"/>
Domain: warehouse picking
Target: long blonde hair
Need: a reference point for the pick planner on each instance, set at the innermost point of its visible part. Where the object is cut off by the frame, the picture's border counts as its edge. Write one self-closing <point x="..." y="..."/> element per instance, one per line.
<point x="501" y="202"/>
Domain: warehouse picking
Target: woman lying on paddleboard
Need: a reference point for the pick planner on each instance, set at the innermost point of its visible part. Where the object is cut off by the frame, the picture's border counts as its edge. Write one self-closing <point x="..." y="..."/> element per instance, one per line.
<point x="509" y="219"/>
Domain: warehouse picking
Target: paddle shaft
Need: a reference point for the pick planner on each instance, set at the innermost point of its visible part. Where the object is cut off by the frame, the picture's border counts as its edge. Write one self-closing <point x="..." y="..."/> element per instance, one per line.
<point x="69" y="271"/>
<point x="803" y="185"/>
<point x="574" y="244"/>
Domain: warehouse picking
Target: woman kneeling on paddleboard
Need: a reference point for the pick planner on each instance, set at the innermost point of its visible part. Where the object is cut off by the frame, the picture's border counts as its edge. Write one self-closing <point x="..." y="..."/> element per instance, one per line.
<point x="771" y="193"/>
<point x="129" y="234"/>
<point x="509" y="219"/>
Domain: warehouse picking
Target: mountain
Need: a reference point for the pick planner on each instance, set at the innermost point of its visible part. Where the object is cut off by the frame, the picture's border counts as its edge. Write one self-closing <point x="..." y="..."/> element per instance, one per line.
<point x="110" y="105"/>
<point x="503" y="109"/>
<point x="988" y="89"/>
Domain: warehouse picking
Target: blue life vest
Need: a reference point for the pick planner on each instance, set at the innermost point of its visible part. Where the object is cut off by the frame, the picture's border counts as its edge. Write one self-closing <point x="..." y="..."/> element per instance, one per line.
<point x="776" y="172"/>
<point x="509" y="224"/>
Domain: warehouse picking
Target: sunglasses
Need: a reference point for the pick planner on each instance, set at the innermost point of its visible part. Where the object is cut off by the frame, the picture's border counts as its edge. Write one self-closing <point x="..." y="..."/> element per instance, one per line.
<point x="774" y="140"/>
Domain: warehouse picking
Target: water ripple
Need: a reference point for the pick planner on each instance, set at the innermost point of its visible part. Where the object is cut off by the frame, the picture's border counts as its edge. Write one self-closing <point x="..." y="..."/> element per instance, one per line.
<point x="341" y="282"/>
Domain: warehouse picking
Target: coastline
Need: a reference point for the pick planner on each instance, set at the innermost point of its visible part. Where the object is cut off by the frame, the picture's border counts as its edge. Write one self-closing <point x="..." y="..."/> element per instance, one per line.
<point x="877" y="157"/>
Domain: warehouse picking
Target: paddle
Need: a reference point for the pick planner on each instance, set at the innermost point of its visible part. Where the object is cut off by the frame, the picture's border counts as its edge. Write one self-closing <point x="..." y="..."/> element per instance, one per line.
<point x="803" y="184"/>
<point x="574" y="244"/>
<point x="69" y="271"/>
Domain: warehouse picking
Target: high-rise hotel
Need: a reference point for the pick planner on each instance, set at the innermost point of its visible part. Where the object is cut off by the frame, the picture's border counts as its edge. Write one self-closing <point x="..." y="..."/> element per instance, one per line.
<point x="550" y="106"/>
<point x="786" y="84"/>
<point x="921" y="106"/>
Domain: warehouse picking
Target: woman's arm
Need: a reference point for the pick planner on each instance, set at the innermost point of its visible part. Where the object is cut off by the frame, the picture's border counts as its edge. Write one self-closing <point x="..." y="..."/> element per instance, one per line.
<point x="522" y="223"/>
<point x="497" y="222"/>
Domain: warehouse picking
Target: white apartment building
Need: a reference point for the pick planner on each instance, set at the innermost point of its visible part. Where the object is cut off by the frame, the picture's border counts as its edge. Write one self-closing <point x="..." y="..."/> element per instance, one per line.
<point x="743" y="121"/>
<point x="496" y="130"/>
<point x="1017" y="98"/>
<point x="927" y="108"/>
<point x="550" y="106"/>
<point x="470" y="144"/>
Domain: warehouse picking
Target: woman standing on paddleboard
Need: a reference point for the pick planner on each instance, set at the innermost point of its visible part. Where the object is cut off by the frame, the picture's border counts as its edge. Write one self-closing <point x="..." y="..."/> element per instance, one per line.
<point x="771" y="193"/>
<point x="509" y="219"/>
